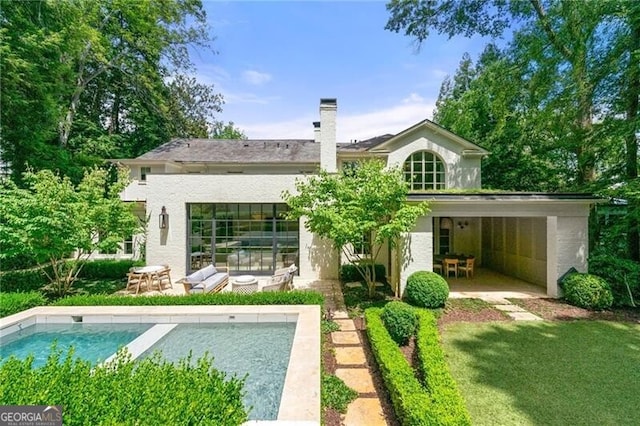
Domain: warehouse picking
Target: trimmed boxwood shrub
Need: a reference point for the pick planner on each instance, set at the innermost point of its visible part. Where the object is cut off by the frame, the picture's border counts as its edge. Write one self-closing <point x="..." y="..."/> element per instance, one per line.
<point x="587" y="291"/>
<point x="148" y="391"/>
<point x="23" y="280"/>
<point x="434" y="402"/>
<point x="12" y="303"/>
<point x="107" y="269"/>
<point x="623" y="275"/>
<point x="426" y="289"/>
<point x="400" y="321"/>
<point x="349" y="273"/>
<point x="295" y="297"/>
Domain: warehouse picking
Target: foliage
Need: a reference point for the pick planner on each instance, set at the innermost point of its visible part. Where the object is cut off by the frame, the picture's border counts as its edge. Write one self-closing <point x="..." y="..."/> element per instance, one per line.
<point x="107" y="269"/>
<point x="147" y="391"/>
<point x="329" y="326"/>
<point x="222" y="130"/>
<point x="364" y="206"/>
<point x="350" y="273"/>
<point x="426" y="289"/>
<point x="88" y="80"/>
<point x="400" y="320"/>
<point x="335" y="393"/>
<point x="623" y="275"/>
<point x="414" y="403"/>
<point x="54" y="219"/>
<point x="12" y="303"/>
<point x="262" y="298"/>
<point x="448" y="404"/>
<point x="24" y="280"/>
<point x="587" y="291"/>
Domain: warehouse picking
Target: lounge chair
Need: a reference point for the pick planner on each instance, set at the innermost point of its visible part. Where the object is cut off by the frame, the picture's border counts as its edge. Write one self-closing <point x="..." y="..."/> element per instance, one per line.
<point x="281" y="280"/>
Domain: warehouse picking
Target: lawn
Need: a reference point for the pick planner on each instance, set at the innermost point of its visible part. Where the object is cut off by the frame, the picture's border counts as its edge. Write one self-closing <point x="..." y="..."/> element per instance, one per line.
<point x="547" y="373"/>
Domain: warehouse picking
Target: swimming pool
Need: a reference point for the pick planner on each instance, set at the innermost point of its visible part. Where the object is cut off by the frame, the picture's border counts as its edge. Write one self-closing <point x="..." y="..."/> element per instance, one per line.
<point x="180" y="326"/>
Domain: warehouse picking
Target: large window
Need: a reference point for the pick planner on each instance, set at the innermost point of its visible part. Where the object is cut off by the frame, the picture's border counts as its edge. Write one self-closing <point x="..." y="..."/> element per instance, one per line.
<point x="251" y="238"/>
<point x="424" y="171"/>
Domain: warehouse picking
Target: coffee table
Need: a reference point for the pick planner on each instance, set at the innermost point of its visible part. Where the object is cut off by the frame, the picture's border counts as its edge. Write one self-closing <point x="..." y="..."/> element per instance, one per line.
<point x="244" y="284"/>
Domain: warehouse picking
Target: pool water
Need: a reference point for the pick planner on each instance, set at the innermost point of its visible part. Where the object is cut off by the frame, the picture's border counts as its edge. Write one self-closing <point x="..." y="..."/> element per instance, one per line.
<point x="260" y="350"/>
<point x="92" y="342"/>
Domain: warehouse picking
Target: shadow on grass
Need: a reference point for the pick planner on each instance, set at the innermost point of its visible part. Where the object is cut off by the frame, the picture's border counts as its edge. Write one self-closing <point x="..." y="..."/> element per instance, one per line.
<point x="552" y="373"/>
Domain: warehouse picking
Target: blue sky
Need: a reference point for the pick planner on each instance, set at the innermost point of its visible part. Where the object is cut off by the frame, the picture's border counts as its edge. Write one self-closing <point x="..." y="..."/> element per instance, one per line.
<point x="276" y="59"/>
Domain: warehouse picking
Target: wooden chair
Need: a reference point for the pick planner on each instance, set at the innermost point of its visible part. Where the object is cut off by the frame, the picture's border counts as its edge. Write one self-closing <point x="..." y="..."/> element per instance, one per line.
<point x="450" y="265"/>
<point x="437" y="267"/>
<point x="163" y="277"/>
<point x="135" y="279"/>
<point x="467" y="268"/>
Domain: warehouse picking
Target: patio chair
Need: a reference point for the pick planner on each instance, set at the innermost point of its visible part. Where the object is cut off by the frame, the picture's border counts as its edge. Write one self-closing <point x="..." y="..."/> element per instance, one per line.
<point x="467" y="268"/>
<point x="135" y="279"/>
<point x="163" y="277"/>
<point x="281" y="280"/>
<point x="450" y="265"/>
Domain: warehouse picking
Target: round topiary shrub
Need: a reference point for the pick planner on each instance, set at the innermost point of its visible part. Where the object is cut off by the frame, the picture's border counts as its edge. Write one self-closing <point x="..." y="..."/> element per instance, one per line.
<point x="426" y="289"/>
<point x="587" y="291"/>
<point x="400" y="320"/>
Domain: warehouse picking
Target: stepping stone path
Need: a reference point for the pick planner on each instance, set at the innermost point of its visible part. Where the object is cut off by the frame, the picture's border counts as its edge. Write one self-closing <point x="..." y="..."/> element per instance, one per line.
<point x="353" y="370"/>
<point x="513" y="311"/>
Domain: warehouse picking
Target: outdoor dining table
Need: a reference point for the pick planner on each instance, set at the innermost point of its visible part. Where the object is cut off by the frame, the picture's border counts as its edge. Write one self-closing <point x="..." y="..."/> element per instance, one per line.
<point x="149" y="274"/>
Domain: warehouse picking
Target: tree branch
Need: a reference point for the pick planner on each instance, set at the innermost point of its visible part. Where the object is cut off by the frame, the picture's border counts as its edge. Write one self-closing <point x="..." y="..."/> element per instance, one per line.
<point x="546" y="26"/>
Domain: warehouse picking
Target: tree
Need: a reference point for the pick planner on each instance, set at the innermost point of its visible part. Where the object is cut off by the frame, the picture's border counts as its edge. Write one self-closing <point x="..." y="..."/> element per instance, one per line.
<point x="578" y="65"/>
<point x="222" y="130"/>
<point x="83" y="80"/>
<point x="61" y="224"/>
<point x="366" y="205"/>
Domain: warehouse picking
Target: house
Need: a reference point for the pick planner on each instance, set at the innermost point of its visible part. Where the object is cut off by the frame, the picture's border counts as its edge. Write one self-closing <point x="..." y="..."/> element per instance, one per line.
<point x="220" y="201"/>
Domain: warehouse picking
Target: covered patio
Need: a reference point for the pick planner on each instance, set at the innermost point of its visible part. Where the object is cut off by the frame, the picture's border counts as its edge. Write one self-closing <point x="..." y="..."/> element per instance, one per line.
<point x="487" y="283"/>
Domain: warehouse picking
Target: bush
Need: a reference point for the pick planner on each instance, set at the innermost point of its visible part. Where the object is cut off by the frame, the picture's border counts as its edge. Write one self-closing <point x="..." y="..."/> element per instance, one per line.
<point x="623" y="275"/>
<point x="448" y="405"/>
<point x="349" y="273"/>
<point x="400" y="321"/>
<point x="23" y="280"/>
<point x="426" y="289"/>
<point x="335" y="394"/>
<point x="414" y="403"/>
<point x="107" y="269"/>
<point x="12" y="303"/>
<point x="587" y="291"/>
<point x="147" y="391"/>
<point x="227" y="298"/>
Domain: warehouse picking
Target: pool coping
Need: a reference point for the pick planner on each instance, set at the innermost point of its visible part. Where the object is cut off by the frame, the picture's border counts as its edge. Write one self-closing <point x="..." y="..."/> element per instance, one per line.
<point x="300" y="402"/>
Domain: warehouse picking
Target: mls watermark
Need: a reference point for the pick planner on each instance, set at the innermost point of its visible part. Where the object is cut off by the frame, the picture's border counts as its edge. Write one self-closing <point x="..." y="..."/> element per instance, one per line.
<point x="30" y="415"/>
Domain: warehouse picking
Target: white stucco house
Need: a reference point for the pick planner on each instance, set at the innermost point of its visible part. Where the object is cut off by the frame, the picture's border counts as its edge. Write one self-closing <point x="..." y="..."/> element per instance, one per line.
<point x="223" y="204"/>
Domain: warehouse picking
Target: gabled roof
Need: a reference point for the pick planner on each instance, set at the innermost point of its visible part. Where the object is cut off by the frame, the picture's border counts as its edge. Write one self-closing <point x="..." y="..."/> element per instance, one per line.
<point x="236" y="151"/>
<point x="381" y="143"/>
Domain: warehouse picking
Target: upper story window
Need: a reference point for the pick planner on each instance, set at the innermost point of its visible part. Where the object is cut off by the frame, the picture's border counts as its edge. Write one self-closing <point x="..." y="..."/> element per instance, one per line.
<point x="424" y="171"/>
<point x="144" y="171"/>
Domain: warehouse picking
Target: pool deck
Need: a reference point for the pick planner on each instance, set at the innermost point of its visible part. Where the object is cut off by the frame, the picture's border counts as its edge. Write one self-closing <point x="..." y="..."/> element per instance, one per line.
<point x="300" y="403"/>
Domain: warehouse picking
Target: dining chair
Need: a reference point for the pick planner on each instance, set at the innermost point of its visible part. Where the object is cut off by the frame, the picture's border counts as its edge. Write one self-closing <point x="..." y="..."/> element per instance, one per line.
<point x="450" y="265"/>
<point x="467" y="268"/>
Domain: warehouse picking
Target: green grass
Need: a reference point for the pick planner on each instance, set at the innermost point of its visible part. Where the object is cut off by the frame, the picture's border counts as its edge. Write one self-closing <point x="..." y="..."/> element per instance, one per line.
<point x="560" y="373"/>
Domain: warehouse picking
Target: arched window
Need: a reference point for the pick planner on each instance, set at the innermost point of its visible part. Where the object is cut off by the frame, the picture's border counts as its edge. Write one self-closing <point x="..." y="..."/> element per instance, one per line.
<point x="424" y="171"/>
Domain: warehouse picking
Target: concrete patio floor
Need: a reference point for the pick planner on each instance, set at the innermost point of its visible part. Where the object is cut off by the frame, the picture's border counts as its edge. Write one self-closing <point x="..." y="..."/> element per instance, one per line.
<point x="487" y="283"/>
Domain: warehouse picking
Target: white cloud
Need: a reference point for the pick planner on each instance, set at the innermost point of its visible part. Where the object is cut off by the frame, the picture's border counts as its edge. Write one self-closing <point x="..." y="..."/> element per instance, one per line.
<point x="256" y="78"/>
<point x="393" y="119"/>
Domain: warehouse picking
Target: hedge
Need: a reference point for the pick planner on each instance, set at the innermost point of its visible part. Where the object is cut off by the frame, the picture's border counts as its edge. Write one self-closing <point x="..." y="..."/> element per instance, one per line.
<point x="12" y="303"/>
<point x="295" y="297"/>
<point x="107" y="269"/>
<point x="619" y="273"/>
<point x="23" y="280"/>
<point x="448" y="405"/>
<point x="437" y="402"/>
<point x="124" y="392"/>
<point x="349" y="273"/>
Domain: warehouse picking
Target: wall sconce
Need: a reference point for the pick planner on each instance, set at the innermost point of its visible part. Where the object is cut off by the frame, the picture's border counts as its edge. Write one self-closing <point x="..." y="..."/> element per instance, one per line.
<point x="462" y="225"/>
<point x="163" y="219"/>
<point x="446" y="223"/>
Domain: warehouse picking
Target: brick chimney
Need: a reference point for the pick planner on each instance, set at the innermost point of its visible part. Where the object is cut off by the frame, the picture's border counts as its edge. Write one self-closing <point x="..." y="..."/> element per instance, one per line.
<point x="328" y="158"/>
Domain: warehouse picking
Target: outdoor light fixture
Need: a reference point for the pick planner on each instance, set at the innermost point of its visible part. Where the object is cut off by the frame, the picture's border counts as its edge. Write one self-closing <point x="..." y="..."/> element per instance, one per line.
<point x="163" y="218"/>
<point x="462" y="225"/>
<point x="446" y="223"/>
